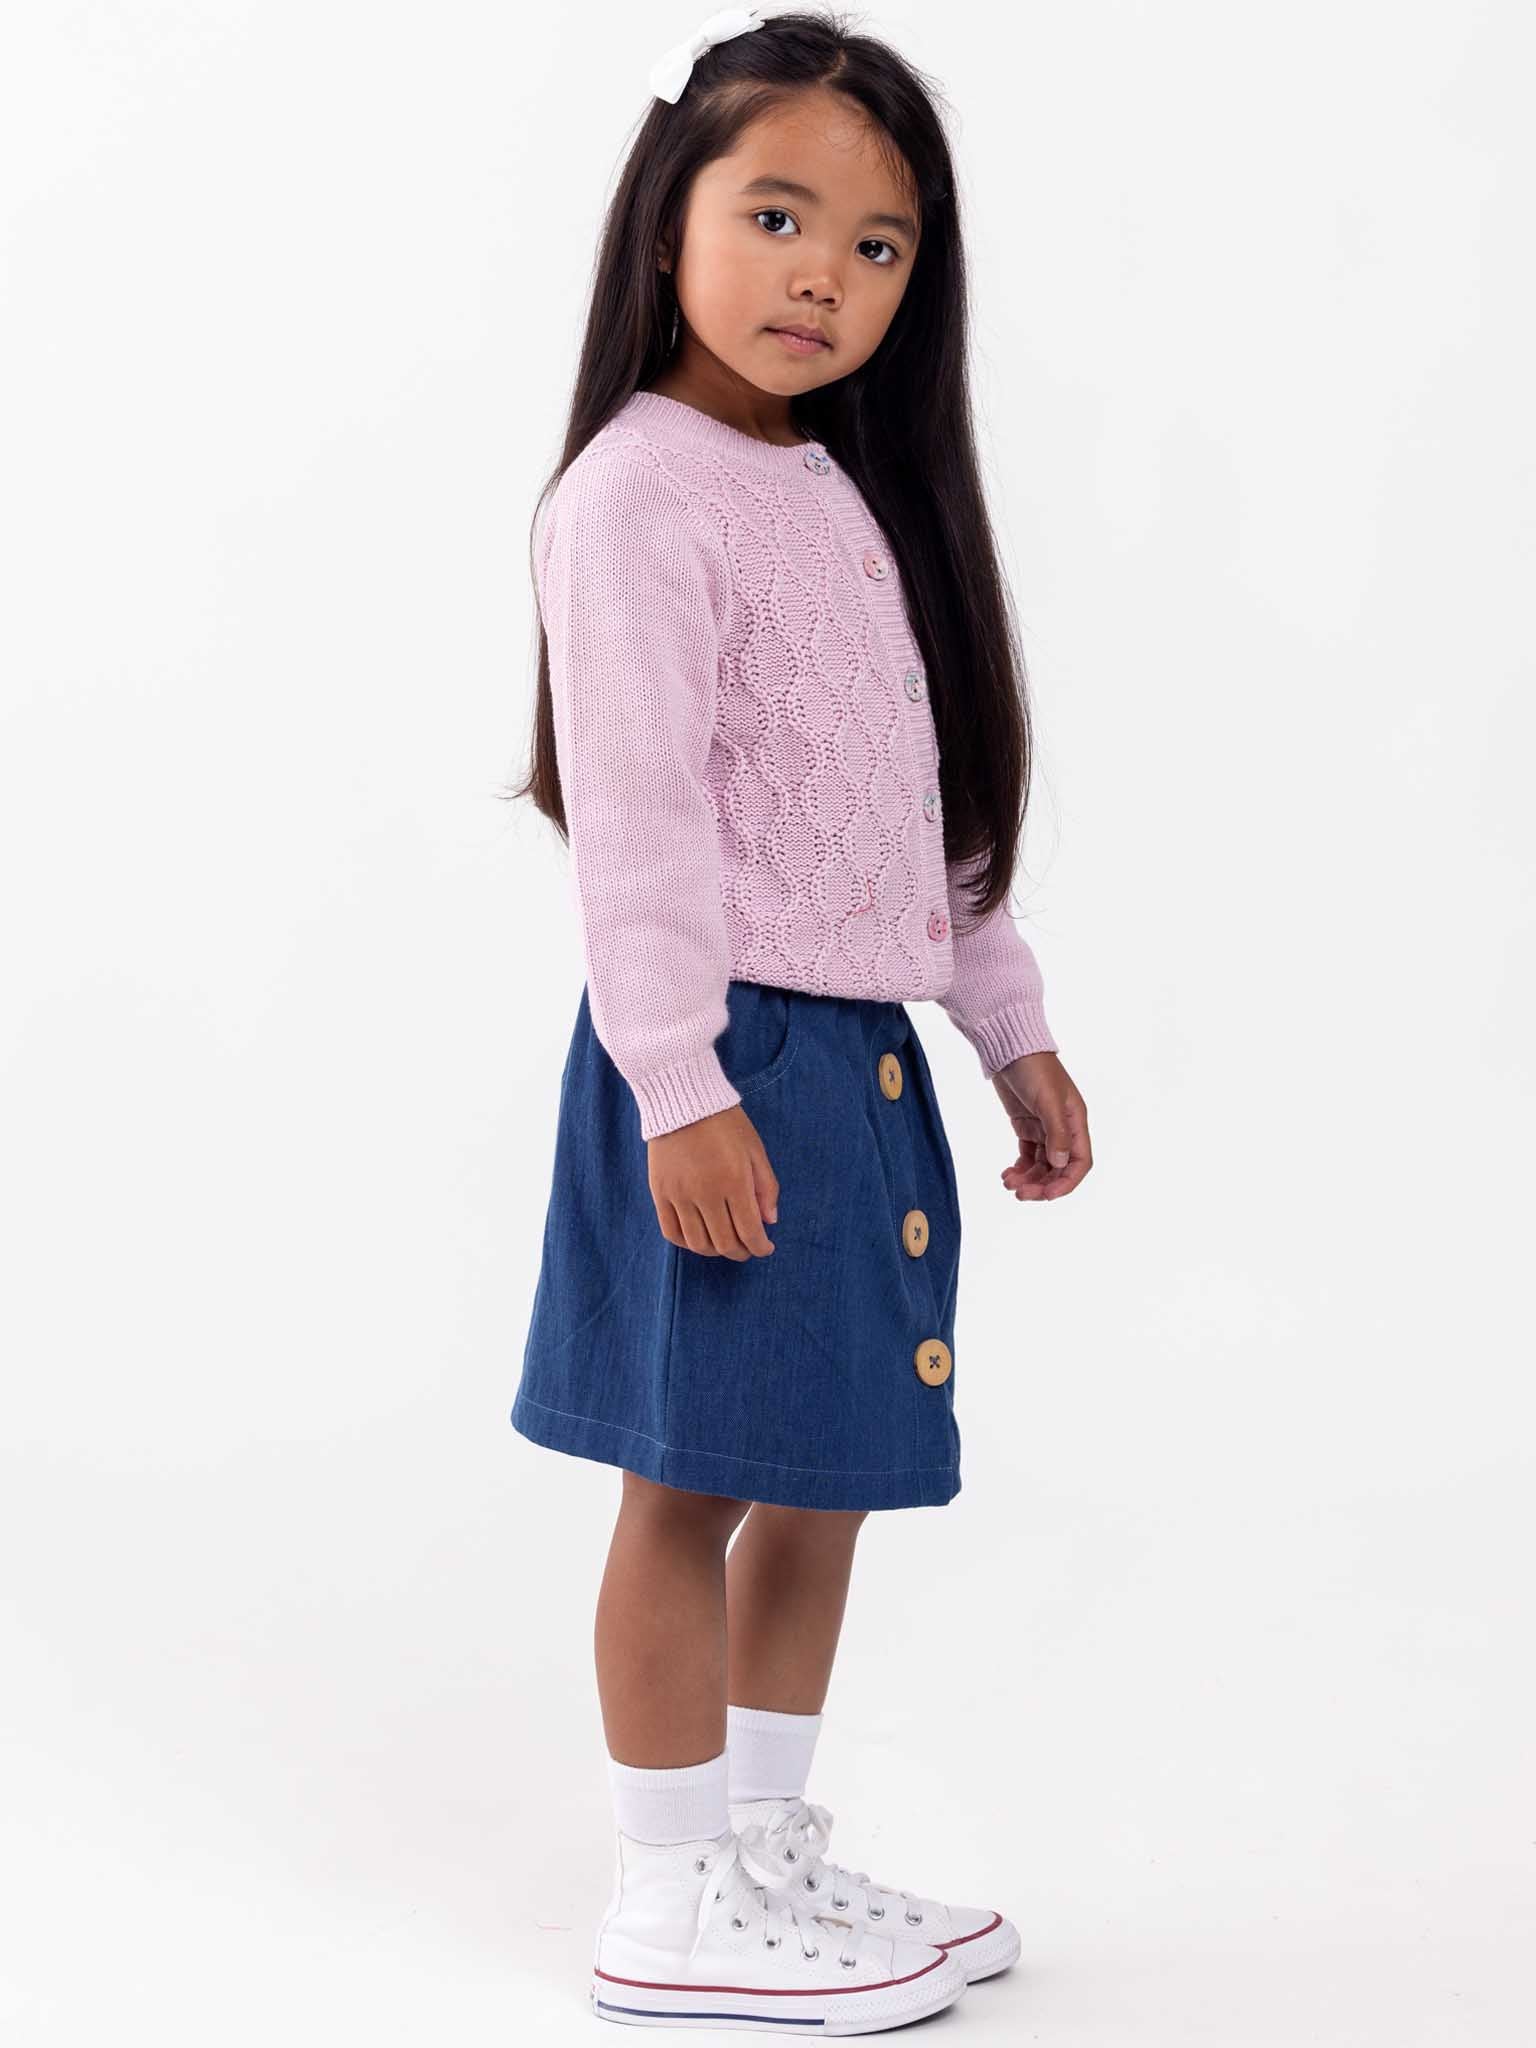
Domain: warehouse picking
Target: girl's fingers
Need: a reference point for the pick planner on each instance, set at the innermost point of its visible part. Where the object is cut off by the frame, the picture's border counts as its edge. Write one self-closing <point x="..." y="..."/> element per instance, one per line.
<point x="696" y="1230"/>
<point x="1075" y="1168"/>
<point x="723" y="1233"/>
<point x="1035" y="1179"/>
<point x="1028" y="1126"/>
<point x="765" y="1183"/>
<point x="730" y="1227"/>
<point x="747" y="1219"/>
<point x="1026" y="1180"/>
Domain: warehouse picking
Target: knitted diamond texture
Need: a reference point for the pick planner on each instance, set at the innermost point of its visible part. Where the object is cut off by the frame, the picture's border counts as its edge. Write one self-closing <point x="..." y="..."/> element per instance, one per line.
<point x="748" y="756"/>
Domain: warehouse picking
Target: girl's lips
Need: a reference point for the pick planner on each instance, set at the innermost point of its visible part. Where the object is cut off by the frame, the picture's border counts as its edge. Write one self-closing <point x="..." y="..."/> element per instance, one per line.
<point x="798" y="344"/>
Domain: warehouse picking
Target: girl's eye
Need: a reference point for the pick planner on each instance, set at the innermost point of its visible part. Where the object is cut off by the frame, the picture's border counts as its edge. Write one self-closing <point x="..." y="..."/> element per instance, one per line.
<point x="892" y="255"/>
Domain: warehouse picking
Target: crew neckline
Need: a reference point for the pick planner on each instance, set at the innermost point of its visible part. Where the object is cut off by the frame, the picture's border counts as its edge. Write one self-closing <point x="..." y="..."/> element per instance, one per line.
<point x="674" y="417"/>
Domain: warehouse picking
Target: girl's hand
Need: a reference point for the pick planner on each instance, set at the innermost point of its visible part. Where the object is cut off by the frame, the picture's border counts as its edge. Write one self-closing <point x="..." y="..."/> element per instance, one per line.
<point x="713" y="1186"/>
<point x="1051" y="1120"/>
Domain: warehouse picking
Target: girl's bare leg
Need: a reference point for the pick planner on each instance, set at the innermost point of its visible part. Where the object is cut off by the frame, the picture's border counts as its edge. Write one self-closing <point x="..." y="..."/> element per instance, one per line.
<point x="660" y="1636"/>
<point x="786" y="1588"/>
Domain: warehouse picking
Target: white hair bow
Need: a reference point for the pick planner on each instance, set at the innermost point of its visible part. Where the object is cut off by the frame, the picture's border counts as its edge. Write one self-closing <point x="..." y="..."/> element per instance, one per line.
<point x="669" y="74"/>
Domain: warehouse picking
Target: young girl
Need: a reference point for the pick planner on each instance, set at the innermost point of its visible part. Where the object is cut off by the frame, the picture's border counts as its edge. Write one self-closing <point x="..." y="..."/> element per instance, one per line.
<point x="780" y="720"/>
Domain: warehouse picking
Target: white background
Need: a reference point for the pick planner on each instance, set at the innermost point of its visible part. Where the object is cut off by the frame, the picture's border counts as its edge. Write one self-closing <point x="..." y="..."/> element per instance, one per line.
<point x="1217" y="1676"/>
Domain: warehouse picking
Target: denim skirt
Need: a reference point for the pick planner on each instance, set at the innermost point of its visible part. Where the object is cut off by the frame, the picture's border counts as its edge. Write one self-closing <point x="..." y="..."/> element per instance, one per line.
<point x="820" y="1376"/>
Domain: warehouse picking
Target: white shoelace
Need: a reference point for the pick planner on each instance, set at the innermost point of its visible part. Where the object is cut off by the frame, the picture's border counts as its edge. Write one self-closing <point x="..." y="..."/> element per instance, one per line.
<point x="742" y="1873"/>
<point x="803" y="1834"/>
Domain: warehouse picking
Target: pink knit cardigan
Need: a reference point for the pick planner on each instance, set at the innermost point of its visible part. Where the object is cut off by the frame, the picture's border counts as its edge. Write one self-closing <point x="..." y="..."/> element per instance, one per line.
<point x="747" y="755"/>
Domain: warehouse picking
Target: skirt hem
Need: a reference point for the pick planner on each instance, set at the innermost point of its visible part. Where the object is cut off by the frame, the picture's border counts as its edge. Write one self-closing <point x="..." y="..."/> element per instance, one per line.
<point x="584" y="1436"/>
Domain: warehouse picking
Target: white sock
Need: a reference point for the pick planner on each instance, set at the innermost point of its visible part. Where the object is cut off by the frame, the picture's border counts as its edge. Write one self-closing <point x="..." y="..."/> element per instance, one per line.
<point x="770" y="1753"/>
<point x="686" y="1805"/>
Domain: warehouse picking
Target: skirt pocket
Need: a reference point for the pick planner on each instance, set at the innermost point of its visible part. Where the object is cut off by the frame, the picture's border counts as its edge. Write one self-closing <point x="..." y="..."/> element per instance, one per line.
<point x="759" y="1042"/>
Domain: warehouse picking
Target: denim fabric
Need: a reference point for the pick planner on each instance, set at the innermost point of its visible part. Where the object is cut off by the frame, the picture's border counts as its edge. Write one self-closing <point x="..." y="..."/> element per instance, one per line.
<point x="789" y="1378"/>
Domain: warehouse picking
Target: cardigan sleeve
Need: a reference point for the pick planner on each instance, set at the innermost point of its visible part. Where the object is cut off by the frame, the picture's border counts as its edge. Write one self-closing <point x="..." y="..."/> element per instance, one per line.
<point x="996" y="998"/>
<point x="632" y="591"/>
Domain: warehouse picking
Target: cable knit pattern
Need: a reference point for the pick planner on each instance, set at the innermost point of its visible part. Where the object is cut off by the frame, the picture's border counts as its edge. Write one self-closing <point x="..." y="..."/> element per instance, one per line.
<point x="748" y="756"/>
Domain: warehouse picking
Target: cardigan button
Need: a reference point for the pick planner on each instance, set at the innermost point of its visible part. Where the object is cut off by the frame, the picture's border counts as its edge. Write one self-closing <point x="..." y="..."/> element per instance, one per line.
<point x="890" y="1075"/>
<point x="938" y="924"/>
<point x="912" y="683"/>
<point x="914" y="1233"/>
<point x="815" y="459"/>
<point x="930" y="804"/>
<point x="933" y="1361"/>
<point x="876" y="565"/>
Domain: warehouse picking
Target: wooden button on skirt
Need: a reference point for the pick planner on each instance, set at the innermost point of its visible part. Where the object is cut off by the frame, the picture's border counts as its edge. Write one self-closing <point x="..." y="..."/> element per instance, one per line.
<point x="787" y="1378"/>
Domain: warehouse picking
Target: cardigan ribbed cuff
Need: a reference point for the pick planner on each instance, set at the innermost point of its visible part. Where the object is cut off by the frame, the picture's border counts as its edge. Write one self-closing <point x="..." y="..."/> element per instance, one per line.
<point x="683" y="1093"/>
<point x="1010" y="1033"/>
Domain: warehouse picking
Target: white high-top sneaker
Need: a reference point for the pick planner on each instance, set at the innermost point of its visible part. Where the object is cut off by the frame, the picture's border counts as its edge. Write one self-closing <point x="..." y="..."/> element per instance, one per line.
<point x="796" y="1835"/>
<point x="694" y="1935"/>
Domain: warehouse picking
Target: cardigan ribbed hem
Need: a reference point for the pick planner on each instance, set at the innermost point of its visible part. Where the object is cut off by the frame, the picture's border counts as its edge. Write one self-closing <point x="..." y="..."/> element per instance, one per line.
<point x="679" y="1095"/>
<point x="1007" y="1036"/>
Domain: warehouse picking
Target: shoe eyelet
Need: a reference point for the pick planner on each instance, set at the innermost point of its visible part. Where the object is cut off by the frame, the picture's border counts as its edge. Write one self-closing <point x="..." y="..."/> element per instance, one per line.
<point x="914" y="1919"/>
<point x="877" y="1912"/>
<point x="737" y="1922"/>
<point x="849" y="1962"/>
<point x="772" y="1940"/>
<point x="791" y="1855"/>
<point x="700" y="1864"/>
<point x="811" y="1954"/>
<point x="837" y="1901"/>
<point x="812" y="1884"/>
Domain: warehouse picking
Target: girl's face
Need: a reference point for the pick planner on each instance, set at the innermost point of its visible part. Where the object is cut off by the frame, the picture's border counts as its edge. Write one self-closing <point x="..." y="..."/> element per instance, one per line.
<point x="803" y="224"/>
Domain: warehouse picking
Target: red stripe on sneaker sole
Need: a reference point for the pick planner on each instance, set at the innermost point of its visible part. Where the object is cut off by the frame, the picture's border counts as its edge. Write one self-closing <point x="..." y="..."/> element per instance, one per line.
<point x="961" y="1939"/>
<point x="766" y="1991"/>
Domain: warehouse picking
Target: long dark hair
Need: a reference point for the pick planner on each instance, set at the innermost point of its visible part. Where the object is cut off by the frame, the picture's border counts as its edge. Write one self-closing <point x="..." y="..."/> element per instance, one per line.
<point x="900" y="424"/>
